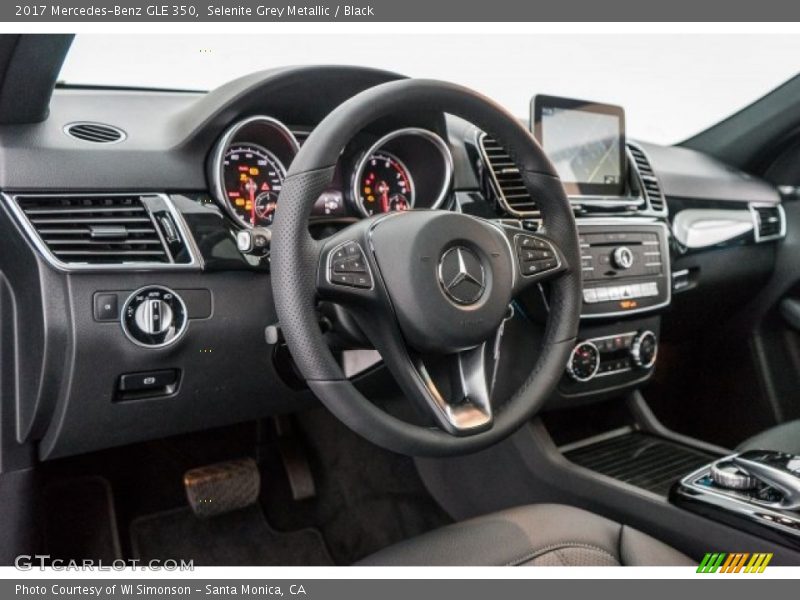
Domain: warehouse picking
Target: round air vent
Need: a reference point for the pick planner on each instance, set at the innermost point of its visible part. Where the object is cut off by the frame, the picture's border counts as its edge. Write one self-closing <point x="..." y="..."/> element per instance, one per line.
<point x="98" y="133"/>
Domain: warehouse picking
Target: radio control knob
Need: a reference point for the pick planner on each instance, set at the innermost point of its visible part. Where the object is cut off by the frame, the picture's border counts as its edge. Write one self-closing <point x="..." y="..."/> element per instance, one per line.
<point x="584" y="362"/>
<point x="623" y="257"/>
<point x="644" y="349"/>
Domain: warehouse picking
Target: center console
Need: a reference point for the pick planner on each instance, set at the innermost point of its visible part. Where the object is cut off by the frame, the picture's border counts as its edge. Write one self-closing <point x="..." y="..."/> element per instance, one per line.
<point x="626" y="281"/>
<point x="757" y="490"/>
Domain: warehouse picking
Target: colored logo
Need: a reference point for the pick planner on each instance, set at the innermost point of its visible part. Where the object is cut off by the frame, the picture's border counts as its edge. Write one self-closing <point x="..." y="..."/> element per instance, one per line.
<point x="735" y="562"/>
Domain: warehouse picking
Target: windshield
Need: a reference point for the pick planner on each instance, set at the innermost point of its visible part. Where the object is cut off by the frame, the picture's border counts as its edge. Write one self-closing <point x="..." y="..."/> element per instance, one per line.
<point x="671" y="86"/>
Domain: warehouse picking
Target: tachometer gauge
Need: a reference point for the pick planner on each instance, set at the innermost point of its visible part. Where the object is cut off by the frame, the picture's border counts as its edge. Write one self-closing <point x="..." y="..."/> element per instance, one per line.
<point x="384" y="185"/>
<point x="252" y="178"/>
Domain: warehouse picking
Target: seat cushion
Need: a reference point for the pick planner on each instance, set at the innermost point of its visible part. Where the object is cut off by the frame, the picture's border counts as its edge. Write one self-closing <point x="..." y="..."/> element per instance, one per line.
<point x="540" y="534"/>
<point x="783" y="438"/>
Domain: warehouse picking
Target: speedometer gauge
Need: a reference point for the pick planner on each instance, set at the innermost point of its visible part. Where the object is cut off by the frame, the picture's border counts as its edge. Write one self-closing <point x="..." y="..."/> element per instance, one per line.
<point x="252" y="178"/>
<point x="384" y="185"/>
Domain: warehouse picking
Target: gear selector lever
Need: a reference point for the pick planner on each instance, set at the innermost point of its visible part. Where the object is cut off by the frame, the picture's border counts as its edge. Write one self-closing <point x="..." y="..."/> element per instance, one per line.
<point x="756" y="470"/>
<point x="777" y="470"/>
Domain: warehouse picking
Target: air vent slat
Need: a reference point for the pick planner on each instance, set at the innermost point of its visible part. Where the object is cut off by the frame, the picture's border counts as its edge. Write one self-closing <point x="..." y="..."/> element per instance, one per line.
<point x="650" y="183"/>
<point x="98" y="133"/>
<point x="768" y="222"/>
<point x="506" y="179"/>
<point x="95" y="229"/>
<point x="300" y="135"/>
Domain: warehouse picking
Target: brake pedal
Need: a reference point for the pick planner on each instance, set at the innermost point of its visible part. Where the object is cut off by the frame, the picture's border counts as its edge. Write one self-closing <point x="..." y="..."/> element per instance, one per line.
<point x="222" y="487"/>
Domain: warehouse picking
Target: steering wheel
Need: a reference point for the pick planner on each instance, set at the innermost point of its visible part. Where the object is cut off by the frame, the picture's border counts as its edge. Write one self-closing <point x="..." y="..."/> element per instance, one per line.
<point x="425" y="282"/>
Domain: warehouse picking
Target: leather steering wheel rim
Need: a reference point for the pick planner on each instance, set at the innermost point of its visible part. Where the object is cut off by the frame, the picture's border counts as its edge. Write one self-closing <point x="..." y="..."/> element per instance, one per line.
<point x="297" y="268"/>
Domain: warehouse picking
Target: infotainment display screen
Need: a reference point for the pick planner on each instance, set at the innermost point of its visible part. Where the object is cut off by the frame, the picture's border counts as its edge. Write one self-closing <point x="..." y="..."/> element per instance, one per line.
<point x="585" y="141"/>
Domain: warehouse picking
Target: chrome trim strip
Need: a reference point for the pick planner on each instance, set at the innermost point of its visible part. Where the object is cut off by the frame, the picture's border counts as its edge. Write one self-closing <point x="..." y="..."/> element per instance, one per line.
<point x="667" y="275"/>
<point x="225" y="142"/>
<point x="705" y="227"/>
<point x="430" y="136"/>
<point x="757" y="220"/>
<point x="195" y="262"/>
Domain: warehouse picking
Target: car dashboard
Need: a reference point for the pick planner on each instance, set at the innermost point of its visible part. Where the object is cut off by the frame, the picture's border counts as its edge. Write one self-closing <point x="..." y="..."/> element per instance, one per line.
<point x="139" y="302"/>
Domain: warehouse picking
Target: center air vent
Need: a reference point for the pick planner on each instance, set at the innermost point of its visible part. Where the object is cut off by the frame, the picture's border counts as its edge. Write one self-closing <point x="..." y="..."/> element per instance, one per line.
<point x="105" y="230"/>
<point x="652" y="189"/>
<point x="769" y="220"/>
<point x="97" y="133"/>
<point x="506" y="180"/>
<point x="301" y="135"/>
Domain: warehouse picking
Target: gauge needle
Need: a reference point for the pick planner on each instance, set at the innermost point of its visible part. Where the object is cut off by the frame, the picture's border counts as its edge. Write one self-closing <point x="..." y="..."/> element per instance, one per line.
<point x="251" y="187"/>
<point x="384" y="190"/>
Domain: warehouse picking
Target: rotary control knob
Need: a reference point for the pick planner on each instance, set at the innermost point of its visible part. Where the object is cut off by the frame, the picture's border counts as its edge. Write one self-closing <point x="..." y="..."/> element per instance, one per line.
<point x="584" y="362"/>
<point x="644" y="349"/>
<point x="623" y="257"/>
<point x="154" y="317"/>
<point x="729" y="476"/>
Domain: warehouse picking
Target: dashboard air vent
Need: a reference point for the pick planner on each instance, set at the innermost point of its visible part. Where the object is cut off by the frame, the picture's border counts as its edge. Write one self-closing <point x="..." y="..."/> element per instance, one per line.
<point x="769" y="221"/>
<point x="506" y="180"/>
<point x="301" y="135"/>
<point x="652" y="188"/>
<point x="95" y="230"/>
<point x="97" y="133"/>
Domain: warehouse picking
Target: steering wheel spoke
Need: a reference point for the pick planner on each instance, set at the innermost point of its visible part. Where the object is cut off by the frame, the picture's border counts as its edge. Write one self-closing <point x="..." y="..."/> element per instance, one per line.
<point x="461" y="404"/>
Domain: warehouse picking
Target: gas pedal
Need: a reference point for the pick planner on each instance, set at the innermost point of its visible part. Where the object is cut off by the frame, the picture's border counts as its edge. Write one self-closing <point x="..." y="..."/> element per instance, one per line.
<point x="222" y="487"/>
<point x="295" y="460"/>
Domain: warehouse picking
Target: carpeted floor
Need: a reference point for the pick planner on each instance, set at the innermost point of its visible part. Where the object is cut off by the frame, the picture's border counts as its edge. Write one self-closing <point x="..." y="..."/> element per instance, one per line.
<point x="240" y="538"/>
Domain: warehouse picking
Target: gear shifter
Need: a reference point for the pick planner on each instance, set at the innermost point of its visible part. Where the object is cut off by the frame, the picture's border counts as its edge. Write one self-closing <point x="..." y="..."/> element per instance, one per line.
<point x="758" y="490"/>
<point x="777" y="470"/>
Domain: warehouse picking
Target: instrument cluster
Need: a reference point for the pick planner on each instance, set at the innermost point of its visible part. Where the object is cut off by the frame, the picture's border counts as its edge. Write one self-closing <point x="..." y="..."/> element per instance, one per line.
<point x="404" y="169"/>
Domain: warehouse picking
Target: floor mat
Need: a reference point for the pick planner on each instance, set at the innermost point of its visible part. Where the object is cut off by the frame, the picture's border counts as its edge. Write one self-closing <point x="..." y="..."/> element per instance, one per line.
<point x="79" y="520"/>
<point x="367" y="498"/>
<point x="240" y="538"/>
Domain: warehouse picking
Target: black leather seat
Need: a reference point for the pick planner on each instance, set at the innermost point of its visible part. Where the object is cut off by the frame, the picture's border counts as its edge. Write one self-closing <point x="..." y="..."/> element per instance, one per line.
<point x="784" y="438"/>
<point x="538" y="535"/>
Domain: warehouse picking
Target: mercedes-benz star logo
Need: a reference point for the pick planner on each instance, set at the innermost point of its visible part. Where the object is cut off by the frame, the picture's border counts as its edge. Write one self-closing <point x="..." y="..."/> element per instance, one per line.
<point x="461" y="275"/>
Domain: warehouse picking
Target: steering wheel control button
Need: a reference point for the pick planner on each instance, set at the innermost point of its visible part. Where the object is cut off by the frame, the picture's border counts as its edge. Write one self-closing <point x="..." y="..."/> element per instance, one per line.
<point x="348" y="266"/>
<point x="154" y="317"/>
<point x="584" y="362"/>
<point x="535" y="255"/>
<point x="106" y="307"/>
<point x="461" y="275"/>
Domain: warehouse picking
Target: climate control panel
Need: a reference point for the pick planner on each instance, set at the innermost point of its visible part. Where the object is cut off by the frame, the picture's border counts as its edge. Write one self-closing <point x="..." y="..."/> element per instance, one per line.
<point x="612" y="355"/>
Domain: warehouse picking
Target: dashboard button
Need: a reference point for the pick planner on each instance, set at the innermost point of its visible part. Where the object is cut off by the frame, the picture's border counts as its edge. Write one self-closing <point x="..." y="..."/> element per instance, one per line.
<point x="106" y="307"/>
<point x="149" y="380"/>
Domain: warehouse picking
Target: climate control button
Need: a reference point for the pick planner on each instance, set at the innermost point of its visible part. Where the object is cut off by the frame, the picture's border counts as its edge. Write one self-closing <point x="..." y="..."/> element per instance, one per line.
<point x="644" y="349"/>
<point x="584" y="362"/>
